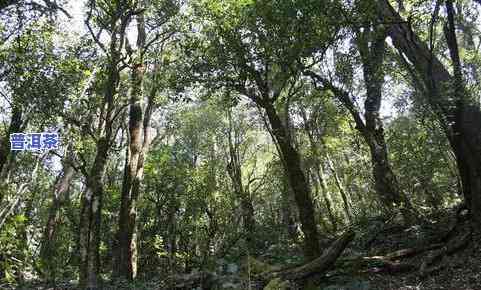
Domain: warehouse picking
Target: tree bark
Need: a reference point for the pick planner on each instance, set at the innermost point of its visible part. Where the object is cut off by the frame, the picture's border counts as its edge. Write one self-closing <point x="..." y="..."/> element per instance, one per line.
<point x="472" y="175"/>
<point x="133" y="173"/>
<point x="288" y="212"/>
<point x="90" y="218"/>
<point x="316" y="266"/>
<point x="91" y="202"/>
<point x="326" y="194"/>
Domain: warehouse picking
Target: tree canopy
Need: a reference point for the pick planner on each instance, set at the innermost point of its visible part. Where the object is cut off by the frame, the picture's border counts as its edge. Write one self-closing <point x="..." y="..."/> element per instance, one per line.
<point x="248" y="144"/>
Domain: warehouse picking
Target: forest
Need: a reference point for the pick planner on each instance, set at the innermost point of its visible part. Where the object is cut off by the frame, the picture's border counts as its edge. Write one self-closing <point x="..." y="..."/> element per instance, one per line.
<point x="240" y="144"/>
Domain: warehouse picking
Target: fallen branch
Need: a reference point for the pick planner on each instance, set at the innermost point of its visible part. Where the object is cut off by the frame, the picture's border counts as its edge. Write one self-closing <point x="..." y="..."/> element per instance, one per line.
<point x="390" y="263"/>
<point x="406" y="253"/>
<point x="315" y="267"/>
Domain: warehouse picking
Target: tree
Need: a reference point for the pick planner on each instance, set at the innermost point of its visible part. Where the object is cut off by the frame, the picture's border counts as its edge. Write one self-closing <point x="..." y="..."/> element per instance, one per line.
<point x="259" y="62"/>
<point x="126" y="260"/>
<point x="50" y="241"/>
<point x="114" y="19"/>
<point x="235" y="137"/>
<point x="369" y="39"/>
<point x="460" y="118"/>
<point x="139" y="129"/>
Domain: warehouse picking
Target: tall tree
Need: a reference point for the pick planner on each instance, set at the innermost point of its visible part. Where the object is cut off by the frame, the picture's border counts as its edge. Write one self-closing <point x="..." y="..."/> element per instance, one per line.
<point x="259" y="62"/>
<point x="141" y="109"/>
<point x="370" y="42"/>
<point x="126" y="264"/>
<point x="460" y="117"/>
<point x="113" y="18"/>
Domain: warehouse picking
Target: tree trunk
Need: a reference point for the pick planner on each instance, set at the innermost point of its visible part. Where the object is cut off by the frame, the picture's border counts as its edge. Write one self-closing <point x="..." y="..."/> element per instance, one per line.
<point x="6" y="155"/>
<point x="297" y="181"/>
<point x="234" y="169"/>
<point x="287" y="210"/>
<point x="385" y="180"/>
<point x="340" y="187"/>
<point x="318" y="171"/>
<point x="49" y="239"/>
<point x="91" y="202"/>
<point x="90" y="218"/>
<point x="472" y="176"/>
<point x="386" y="184"/>
<point x="317" y="266"/>
<point x="326" y="194"/>
<point x="371" y="45"/>
<point x="138" y="145"/>
<point x="461" y="120"/>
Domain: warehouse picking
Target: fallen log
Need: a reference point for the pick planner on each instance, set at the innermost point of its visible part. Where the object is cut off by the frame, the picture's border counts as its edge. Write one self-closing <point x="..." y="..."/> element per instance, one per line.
<point x="449" y="249"/>
<point x="389" y="263"/>
<point x="406" y="253"/>
<point x="316" y="266"/>
<point x="203" y="279"/>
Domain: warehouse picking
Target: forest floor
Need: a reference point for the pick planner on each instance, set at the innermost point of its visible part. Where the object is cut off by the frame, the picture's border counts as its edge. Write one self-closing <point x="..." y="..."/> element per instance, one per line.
<point x="460" y="270"/>
<point x="365" y="263"/>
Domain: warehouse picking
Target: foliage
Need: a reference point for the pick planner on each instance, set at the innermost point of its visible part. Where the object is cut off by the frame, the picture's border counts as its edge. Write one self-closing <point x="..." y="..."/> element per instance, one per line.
<point x="208" y="69"/>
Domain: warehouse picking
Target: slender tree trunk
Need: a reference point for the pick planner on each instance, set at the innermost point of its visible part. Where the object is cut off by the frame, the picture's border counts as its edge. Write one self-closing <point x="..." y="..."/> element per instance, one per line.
<point x="297" y="181"/>
<point x="235" y="172"/>
<point x="317" y="203"/>
<point x="22" y="230"/>
<point x="319" y="172"/>
<point x="137" y="148"/>
<point x="49" y="240"/>
<point x="172" y="233"/>
<point x="461" y="118"/>
<point x="350" y="180"/>
<point x="340" y="187"/>
<point x="386" y="184"/>
<point x="321" y="177"/>
<point x="24" y="241"/>
<point x="371" y="44"/>
<point x="91" y="202"/>
<point x="385" y="181"/>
